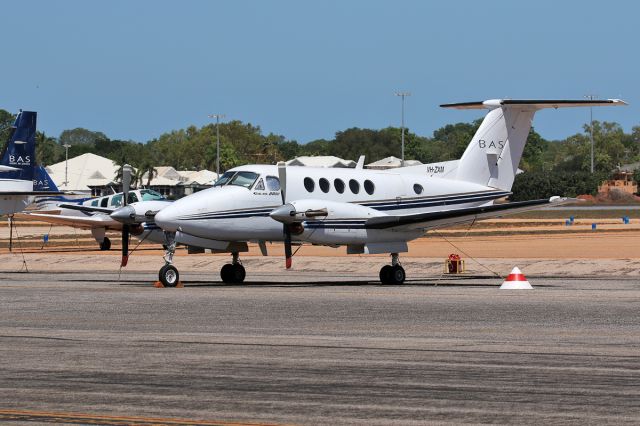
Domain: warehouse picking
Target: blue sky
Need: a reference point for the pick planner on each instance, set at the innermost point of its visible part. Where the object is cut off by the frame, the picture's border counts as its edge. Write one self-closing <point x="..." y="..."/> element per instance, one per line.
<point x="136" y="69"/>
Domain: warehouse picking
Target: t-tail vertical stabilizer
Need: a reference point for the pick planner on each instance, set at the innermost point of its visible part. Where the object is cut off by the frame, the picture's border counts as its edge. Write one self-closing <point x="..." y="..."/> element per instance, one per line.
<point x="494" y="153"/>
<point x="18" y="154"/>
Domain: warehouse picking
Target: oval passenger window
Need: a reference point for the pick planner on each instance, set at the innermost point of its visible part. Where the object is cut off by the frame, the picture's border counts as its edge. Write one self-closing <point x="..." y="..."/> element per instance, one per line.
<point x="339" y="185"/>
<point x="354" y="186"/>
<point x="324" y="185"/>
<point x="369" y="187"/>
<point x="417" y="188"/>
<point x="309" y="184"/>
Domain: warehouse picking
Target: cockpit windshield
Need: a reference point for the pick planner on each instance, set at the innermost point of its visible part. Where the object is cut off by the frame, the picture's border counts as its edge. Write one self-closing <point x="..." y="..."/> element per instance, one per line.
<point x="224" y="178"/>
<point x="245" y="179"/>
<point x="150" y="195"/>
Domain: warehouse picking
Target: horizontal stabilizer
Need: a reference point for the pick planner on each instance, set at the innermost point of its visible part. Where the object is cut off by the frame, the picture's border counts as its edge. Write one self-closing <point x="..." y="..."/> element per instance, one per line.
<point x="535" y="103"/>
<point x="30" y="193"/>
<point x="442" y="219"/>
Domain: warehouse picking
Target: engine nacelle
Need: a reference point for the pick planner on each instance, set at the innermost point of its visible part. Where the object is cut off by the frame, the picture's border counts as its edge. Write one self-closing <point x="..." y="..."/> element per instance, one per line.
<point x="321" y="210"/>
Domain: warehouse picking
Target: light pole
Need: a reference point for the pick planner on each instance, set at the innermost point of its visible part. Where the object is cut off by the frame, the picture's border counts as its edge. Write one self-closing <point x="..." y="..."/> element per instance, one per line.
<point x="66" y="164"/>
<point x="217" y="117"/>
<point x="402" y="95"/>
<point x="591" y="97"/>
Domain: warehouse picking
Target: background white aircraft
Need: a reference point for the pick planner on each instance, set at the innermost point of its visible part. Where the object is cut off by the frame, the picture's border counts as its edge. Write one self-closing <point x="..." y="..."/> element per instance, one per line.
<point x="94" y="214"/>
<point x="369" y="211"/>
<point x="18" y="166"/>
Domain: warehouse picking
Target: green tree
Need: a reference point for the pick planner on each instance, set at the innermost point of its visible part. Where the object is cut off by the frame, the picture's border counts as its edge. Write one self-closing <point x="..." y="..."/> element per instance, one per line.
<point x="48" y="151"/>
<point x="6" y="122"/>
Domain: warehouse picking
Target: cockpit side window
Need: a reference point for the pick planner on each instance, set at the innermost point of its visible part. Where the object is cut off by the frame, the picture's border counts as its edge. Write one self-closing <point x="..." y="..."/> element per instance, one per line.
<point x="116" y="200"/>
<point x="104" y="202"/>
<point x="224" y="179"/>
<point x="95" y="203"/>
<point x="273" y="183"/>
<point x="132" y="198"/>
<point x="245" y="179"/>
<point x="150" y="195"/>
<point x="259" y="186"/>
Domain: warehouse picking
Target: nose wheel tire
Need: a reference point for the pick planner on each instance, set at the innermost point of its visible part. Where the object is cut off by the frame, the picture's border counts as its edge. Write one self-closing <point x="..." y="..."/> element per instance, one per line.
<point x="169" y="276"/>
<point x="105" y="244"/>
<point x="393" y="275"/>
<point x="233" y="273"/>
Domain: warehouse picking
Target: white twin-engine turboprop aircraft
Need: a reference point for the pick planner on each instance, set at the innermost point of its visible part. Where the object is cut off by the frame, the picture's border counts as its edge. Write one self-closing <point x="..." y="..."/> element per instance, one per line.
<point x="369" y="211"/>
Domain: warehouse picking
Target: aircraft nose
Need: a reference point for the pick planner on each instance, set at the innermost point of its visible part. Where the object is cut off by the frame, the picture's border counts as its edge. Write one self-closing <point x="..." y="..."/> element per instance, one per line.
<point x="124" y="214"/>
<point x="167" y="219"/>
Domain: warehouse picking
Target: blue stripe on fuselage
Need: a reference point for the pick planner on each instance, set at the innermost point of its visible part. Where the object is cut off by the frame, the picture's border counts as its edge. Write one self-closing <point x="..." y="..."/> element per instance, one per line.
<point x="378" y="205"/>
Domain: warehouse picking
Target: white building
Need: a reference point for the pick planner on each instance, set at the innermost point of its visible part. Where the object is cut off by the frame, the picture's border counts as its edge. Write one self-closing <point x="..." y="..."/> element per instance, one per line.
<point x="84" y="172"/>
<point x="321" y="161"/>
<point x="96" y="175"/>
<point x="391" y="163"/>
<point x="178" y="183"/>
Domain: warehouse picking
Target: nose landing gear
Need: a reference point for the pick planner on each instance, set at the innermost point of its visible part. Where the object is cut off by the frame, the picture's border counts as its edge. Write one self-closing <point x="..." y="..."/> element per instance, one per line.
<point x="234" y="272"/>
<point x="393" y="274"/>
<point x="169" y="275"/>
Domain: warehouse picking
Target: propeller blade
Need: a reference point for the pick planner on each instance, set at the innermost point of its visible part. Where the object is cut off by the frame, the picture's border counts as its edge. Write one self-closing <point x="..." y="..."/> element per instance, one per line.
<point x="126" y="182"/>
<point x="287" y="247"/>
<point x="125" y="246"/>
<point x="282" y="176"/>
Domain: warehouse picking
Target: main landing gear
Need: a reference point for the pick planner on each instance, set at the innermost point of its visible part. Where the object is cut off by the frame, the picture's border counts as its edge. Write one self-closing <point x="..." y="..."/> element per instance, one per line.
<point x="105" y="244"/>
<point x="233" y="273"/>
<point x="393" y="274"/>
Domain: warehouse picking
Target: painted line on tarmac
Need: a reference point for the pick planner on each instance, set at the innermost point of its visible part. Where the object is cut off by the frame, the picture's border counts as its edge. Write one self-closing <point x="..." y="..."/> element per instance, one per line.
<point x="83" y="418"/>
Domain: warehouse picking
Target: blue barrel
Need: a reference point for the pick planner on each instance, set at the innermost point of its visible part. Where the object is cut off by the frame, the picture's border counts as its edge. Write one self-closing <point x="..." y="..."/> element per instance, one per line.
<point x="593" y="226"/>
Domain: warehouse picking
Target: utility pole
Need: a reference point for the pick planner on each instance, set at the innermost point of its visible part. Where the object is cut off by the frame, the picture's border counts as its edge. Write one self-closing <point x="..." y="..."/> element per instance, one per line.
<point x="402" y="95"/>
<point x="66" y="164"/>
<point x="217" y="117"/>
<point x="591" y="97"/>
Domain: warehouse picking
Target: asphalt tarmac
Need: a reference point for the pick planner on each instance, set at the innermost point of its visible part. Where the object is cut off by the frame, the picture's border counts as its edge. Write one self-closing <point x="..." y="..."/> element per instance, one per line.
<point x="317" y="349"/>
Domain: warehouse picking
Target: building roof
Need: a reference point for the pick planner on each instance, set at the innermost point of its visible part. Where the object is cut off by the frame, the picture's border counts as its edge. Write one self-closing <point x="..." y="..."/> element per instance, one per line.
<point x="321" y="161"/>
<point x="629" y="167"/>
<point x="168" y="176"/>
<point x="83" y="171"/>
<point x="391" y="162"/>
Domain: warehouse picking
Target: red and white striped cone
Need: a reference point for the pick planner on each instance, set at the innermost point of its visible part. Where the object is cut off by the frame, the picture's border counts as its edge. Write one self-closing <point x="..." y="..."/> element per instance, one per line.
<point x="516" y="281"/>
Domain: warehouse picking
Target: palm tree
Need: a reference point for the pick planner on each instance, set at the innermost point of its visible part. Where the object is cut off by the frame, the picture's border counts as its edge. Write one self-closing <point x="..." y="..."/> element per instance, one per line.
<point x="118" y="176"/>
<point x="148" y="169"/>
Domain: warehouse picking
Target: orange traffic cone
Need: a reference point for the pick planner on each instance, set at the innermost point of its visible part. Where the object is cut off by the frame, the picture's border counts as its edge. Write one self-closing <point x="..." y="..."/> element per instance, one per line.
<point x="516" y="281"/>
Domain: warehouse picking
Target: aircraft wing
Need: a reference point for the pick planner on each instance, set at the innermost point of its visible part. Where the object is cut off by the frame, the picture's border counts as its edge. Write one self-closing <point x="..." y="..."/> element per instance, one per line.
<point x="443" y="219"/>
<point x="95" y="221"/>
<point x="89" y="209"/>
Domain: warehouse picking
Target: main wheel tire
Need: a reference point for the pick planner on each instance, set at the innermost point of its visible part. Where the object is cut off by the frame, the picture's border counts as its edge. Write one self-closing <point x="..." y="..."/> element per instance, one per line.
<point x="169" y="276"/>
<point x="238" y="273"/>
<point x="226" y="273"/>
<point x="397" y="275"/>
<point x="105" y="244"/>
<point x="385" y="274"/>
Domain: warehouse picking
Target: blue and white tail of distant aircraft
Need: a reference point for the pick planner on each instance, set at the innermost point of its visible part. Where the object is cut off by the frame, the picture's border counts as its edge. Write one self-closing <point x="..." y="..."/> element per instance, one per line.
<point x="18" y="169"/>
<point x="368" y="211"/>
